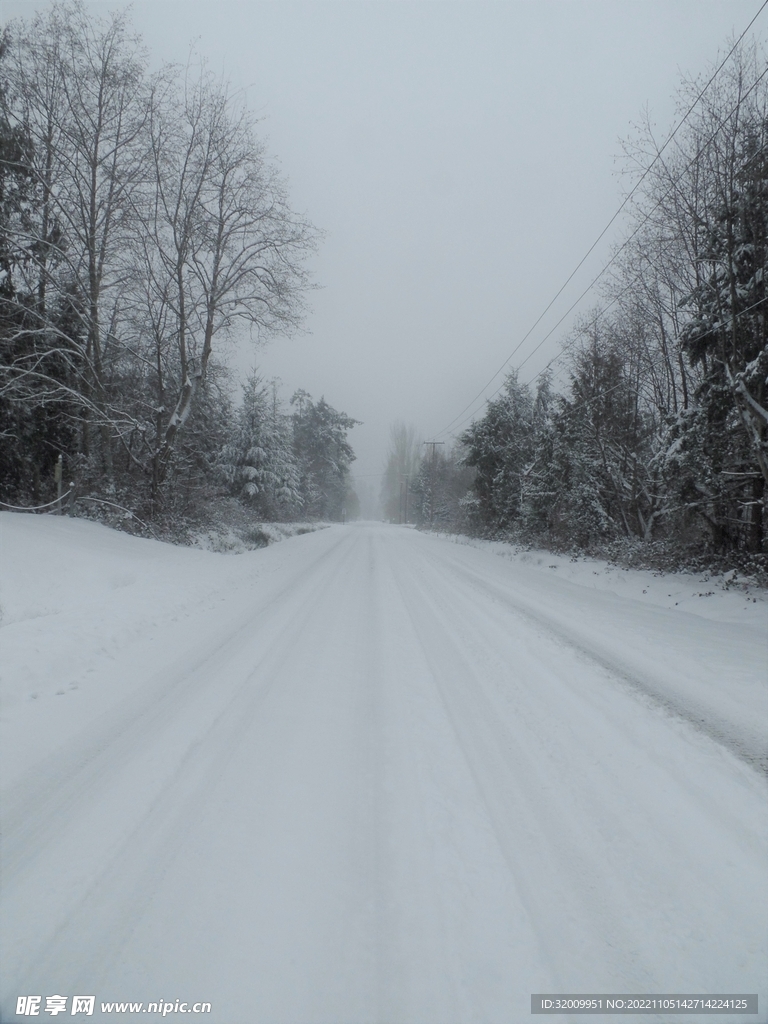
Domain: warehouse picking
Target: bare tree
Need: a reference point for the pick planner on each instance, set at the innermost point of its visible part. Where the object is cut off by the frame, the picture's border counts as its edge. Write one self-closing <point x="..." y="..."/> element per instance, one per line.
<point x="156" y="225"/>
<point x="219" y="244"/>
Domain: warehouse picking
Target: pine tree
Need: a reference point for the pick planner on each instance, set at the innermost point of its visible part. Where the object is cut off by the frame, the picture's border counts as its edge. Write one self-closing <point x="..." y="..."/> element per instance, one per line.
<point x="259" y="463"/>
<point x="499" y="446"/>
<point x="725" y="440"/>
<point x="323" y="453"/>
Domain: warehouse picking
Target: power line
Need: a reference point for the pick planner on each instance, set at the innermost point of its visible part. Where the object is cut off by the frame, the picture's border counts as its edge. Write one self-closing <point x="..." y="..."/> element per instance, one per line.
<point x="592" y="323"/>
<point x="599" y="238"/>
<point x="612" y="260"/>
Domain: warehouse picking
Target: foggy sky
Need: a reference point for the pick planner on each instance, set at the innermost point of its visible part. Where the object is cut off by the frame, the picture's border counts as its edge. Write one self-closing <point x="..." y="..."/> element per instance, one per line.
<point x="461" y="158"/>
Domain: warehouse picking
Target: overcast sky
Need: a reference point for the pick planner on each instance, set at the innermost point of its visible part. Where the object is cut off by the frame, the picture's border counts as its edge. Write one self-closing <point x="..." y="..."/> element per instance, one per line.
<point x="461" y="159"/>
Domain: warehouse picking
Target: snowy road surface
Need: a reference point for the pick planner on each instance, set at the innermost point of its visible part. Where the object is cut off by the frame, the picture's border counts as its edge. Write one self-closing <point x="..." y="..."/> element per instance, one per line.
<point x="369" y="775"/>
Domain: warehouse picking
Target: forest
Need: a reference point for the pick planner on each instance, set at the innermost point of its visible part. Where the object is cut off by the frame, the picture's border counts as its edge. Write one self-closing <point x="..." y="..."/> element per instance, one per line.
<point x="655" y="440"/>
<point x="143" y="228"/>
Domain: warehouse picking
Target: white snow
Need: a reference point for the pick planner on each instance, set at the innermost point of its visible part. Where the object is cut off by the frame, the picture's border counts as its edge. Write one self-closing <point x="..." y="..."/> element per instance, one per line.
<point x="372" y="775"/>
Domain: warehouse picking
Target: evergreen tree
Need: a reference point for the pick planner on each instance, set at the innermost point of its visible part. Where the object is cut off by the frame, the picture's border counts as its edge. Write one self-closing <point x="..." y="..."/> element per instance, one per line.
<point x="37" y="381"/>
<point x="500" y="448"/>
<point x="720" y="450"/>
<point x="441" y="495"/>
<point x="323" y="453"/>
<point x="259" y="463"/>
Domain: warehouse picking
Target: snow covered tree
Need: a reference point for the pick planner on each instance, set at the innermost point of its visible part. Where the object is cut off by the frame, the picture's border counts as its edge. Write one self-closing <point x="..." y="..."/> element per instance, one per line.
<point x="441" y="495"/>
<point x="142" y="223"/>
<point x="663" y="432"/>
<point x="500" y="447"/>
<point x="705" y="203"/>
<point x="258" y="462"/>
<point x="597" y="450"/>
<point x="572" y="469"/>
<point x="324" y="455"/>
<point x="37" y="382"/>
<point x="76" y="85"/>
<point x="728" y="338"/>
<point x="219" y="248"/>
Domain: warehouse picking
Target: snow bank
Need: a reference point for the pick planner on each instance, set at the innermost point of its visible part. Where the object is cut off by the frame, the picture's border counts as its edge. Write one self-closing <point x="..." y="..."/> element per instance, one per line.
<point x="691" y="643"/>
<point x="723" y="597"/>
<point x="84" y="609"/>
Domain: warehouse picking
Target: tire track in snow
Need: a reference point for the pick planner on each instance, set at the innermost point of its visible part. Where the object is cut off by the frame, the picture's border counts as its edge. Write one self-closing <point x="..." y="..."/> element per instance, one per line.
<point x="411" y="927"/>
<point x="40" y="803"/>
<point x="604" y="916"/>
<point x="480" y="739"/>
<point x="97" y="924"/>
<point x="751" y="748"/>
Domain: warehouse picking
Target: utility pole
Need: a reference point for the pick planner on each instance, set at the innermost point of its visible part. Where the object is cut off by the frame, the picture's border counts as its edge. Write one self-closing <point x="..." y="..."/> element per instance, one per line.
<point x="433" y="445"/>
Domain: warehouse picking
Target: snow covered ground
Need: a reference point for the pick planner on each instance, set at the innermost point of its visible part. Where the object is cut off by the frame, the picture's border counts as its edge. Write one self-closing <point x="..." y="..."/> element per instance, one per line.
<point x="368" y="775"/>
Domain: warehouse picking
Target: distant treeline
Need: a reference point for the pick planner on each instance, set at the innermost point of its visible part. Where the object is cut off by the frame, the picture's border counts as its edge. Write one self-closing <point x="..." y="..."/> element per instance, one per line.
<point x="661" y="434"/>
<point x="141" y="226"/>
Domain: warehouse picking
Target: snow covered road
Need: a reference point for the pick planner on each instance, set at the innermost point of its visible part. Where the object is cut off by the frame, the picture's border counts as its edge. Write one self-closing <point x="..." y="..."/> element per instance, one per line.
<point x="369" y="775"/>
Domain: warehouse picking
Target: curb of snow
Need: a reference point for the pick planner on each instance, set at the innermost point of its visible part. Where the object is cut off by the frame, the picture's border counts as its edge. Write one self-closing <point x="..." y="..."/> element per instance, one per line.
<point x="729" y="594"/>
